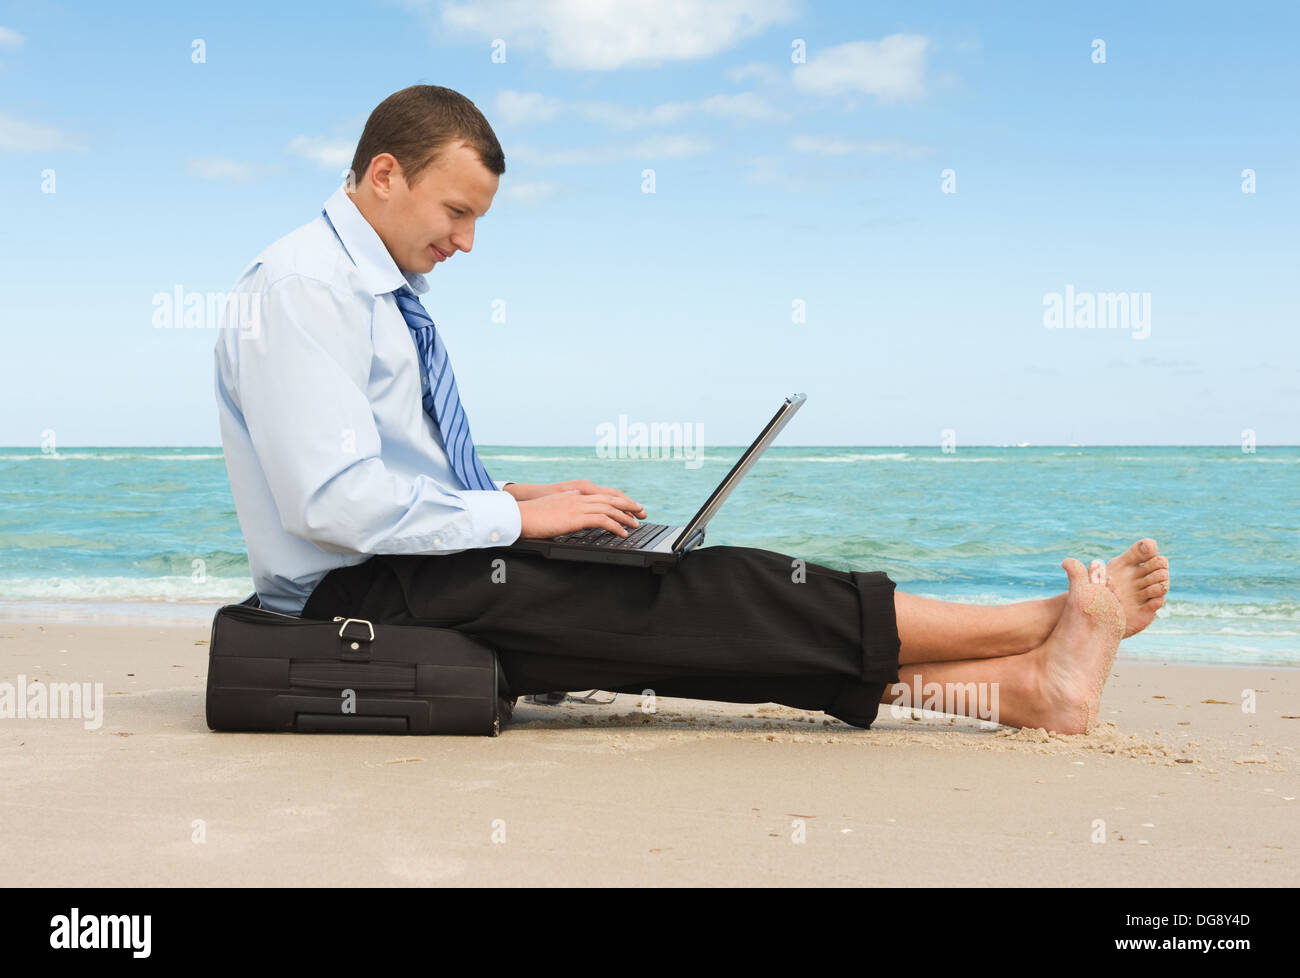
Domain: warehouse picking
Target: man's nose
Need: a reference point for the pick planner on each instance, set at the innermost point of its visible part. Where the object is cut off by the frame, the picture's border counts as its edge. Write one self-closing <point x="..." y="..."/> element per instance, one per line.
<point x="465" y="241"/>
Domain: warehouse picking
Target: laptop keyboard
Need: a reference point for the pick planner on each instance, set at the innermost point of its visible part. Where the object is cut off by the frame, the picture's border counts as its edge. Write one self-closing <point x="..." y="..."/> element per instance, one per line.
<point x="598" y="537"/>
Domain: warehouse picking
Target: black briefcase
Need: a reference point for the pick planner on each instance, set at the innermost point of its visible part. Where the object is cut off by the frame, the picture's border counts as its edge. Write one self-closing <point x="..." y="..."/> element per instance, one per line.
<point x="269" y="671"/>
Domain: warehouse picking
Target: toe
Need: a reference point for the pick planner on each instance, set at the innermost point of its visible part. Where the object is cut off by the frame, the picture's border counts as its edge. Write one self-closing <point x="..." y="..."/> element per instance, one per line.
<point x="1154" y="591"/>
<point x="1075" y="571"/>
<point x="1137" y="553"/>
<point x="1155" y="577"/>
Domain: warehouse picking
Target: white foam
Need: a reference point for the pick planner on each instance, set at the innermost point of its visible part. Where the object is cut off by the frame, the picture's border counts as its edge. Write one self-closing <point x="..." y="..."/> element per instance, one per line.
<point x="178" y="588"/>
<point x="116" y="457"/>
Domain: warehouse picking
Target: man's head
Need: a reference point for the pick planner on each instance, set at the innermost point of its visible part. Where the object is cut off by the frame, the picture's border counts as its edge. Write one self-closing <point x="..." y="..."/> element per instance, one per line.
<point x="426" y="169"/>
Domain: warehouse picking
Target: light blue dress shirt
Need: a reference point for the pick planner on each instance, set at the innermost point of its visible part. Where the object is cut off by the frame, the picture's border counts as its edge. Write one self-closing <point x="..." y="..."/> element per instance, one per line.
<point x="330" y="453"/>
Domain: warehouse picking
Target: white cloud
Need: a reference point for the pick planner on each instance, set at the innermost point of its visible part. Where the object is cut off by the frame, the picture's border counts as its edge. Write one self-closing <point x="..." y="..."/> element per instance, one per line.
<point x="514" y="108"/>
<point x="533" y="192"/>
<point x="602" y="35"/>
<point x="744" y="106"/>
<point x="758" y="70"/>
<point x="18" y="136"/>
<point x="522" y="107"/>
<point x="215" y="168"/>
<point x="561" y="157"/>
<point x="654" y="148"/>
<point x="10" y="39"/>
<point x="835" y="146"/>
<point x="669" y="147"/>
<point x="773" y="171"/>
<point x="891" y="68"/>
<point x="326" y="152"/>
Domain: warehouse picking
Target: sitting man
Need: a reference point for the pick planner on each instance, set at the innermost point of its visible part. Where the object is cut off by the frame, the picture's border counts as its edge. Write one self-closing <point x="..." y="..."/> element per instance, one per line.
<point x="360" y="494"/>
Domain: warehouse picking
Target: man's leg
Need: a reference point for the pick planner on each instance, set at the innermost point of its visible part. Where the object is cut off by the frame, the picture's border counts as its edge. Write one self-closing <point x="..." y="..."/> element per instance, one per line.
<point x="1056" y="686"/>
<point x="740" y="627"/>
<point x="938" y="631"/>
<point x="736" y="624"/>
<point x="941" y="631"/>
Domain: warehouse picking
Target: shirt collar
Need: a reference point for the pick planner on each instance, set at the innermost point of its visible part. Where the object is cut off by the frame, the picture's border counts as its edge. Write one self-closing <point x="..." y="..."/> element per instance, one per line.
<point x="375" y="265"/>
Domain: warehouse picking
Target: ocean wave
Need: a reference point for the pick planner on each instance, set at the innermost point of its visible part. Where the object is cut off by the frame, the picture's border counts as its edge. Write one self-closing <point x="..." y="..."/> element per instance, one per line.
<point x="216" y="563"/>
<point x="1183" y="610"/>
<point x="673" y="456"/>
<point x="772" y="457"/>
<point x="1253" y="611"/>
<point x="43" y="541"/>
<point x="1264" y="632"/>
<point x="176" y="588"/>
<point x="596" y="458"/>
<point x="962" y="458"/>
<point x="116" y="457"/>
<point x="850" y="457"/>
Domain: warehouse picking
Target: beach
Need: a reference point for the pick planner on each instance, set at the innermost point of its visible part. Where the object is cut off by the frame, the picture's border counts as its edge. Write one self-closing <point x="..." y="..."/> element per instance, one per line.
<point x="1184" y="787"/>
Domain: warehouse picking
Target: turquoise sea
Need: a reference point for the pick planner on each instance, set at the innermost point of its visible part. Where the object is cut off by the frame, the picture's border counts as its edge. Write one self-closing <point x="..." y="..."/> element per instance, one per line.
<point x="146" y="533"/>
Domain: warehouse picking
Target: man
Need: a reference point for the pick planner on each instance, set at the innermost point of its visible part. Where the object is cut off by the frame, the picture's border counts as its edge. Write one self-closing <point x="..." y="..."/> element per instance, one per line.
<point x="360" y="493"/>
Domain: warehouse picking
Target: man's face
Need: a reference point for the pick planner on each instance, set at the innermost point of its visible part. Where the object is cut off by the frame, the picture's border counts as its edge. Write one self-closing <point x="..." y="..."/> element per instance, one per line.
<point x="425" y="224"/>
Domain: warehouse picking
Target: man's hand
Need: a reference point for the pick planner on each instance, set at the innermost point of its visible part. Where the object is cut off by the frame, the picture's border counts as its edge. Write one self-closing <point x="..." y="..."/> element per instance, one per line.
<point x="571" y="509"/>
<point x="523" y="491"/>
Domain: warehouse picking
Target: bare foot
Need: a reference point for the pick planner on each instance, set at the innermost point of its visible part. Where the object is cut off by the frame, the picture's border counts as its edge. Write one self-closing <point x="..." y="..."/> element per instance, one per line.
<point x="1139" y="577"/>
<point x="1071" y="667"/>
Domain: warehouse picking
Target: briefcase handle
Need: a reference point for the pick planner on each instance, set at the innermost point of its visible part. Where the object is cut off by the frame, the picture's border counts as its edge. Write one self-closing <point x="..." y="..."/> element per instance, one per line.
<point x="353" y="642"/>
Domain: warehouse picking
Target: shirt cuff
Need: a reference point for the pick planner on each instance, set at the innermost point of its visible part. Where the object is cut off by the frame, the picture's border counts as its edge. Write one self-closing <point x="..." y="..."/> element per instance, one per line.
<point x="502" y="485"/>
<point x="494" y="517"/>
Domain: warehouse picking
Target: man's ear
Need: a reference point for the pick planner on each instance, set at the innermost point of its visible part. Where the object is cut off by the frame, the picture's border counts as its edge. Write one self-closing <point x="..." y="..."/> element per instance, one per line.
<point x="383" y="172"/>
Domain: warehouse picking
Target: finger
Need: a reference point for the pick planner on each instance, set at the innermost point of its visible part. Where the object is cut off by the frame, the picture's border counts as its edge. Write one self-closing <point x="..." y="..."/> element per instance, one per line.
<point x="620" y="499"/>
<point x="631" y="505"/>
<point x="608" y="523"/>
<point x="607" y="499"/>
<point x="622" y="516"/>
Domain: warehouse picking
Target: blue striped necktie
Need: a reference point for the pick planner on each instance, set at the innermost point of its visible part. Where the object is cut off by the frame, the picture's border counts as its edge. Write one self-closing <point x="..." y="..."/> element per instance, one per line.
<point x="441" y="399"/>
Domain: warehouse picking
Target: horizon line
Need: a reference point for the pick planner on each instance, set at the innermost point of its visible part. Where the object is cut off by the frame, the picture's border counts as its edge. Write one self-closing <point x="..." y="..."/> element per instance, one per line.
<point x="219" y="448"/>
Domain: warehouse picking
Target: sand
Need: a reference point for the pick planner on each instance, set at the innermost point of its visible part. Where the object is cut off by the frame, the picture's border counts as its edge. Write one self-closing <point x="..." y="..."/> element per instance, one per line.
<point x="1175" y="786"/>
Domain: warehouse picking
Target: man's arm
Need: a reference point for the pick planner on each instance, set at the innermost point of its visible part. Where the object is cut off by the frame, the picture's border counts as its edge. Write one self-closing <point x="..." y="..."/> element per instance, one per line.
<point x="301" y="387"/>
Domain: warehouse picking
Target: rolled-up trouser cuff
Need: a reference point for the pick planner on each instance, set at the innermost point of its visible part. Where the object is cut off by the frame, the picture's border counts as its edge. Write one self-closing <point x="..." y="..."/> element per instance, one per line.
<point x="859" y="701"/>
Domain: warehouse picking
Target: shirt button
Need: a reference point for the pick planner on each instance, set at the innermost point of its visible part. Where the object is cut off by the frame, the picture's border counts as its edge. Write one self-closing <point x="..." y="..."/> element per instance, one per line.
<point x="495" y="537"/>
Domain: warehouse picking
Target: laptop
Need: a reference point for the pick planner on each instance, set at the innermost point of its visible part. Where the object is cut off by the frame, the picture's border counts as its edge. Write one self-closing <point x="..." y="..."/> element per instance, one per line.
<point x="654" y="544"/>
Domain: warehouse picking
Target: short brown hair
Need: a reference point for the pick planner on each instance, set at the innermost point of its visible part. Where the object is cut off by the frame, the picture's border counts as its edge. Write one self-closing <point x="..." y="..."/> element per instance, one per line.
<point x="417" y="123"/>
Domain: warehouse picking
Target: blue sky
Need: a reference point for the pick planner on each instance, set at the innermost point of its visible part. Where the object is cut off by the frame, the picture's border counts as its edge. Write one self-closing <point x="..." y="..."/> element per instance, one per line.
<point x="776" y="183"/>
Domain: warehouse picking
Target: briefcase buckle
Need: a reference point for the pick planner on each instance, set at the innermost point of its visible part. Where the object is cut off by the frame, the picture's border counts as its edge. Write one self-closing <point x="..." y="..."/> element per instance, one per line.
<point x="356" y="621"/>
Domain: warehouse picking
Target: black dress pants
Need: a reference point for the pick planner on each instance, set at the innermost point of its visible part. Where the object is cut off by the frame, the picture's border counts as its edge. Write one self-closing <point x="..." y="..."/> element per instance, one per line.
<point x="735" y="624"/>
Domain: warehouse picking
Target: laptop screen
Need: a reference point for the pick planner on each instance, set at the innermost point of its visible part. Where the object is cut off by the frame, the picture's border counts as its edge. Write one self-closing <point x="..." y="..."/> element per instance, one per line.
<point x="752" y="454"/>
